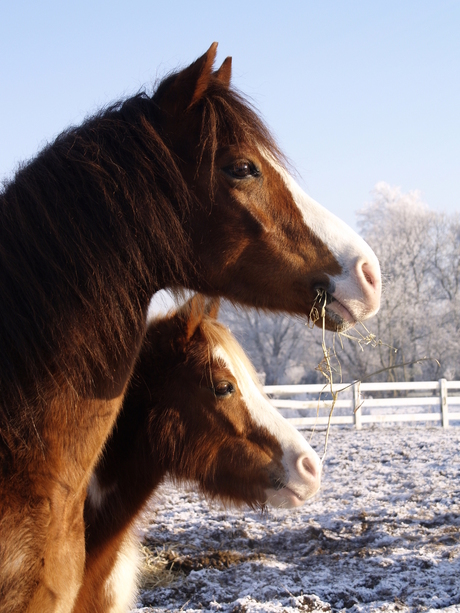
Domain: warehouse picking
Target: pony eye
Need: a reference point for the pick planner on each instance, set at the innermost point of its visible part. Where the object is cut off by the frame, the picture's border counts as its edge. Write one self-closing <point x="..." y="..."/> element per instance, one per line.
<point x="241" y="170"/>
<point x="223" y="388"/>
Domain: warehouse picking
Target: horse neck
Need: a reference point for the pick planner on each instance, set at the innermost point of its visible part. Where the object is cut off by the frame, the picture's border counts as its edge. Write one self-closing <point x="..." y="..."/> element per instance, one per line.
<point x="123" y="240"/>
<point x="129" y="469"/>
<point x="122" y="482"/>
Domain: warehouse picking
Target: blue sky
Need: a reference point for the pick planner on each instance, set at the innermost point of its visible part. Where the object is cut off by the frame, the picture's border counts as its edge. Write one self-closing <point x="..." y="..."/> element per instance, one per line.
<point x="356" y="92"/>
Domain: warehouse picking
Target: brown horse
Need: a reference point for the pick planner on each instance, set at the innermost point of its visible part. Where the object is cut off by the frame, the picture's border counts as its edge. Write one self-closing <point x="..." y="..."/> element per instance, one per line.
<point x="182" y="188"/>
<point x="194" y="410"/>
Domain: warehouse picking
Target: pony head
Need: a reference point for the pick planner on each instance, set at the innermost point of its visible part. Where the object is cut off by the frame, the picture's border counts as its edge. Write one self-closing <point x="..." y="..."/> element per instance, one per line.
<point x="258" y="238"/>
<point x="213" y="423"/>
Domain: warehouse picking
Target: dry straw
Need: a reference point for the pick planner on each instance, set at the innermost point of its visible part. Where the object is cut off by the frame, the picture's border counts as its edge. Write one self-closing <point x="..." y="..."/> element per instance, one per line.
<point x="330" y="366"/>
<point x="157" y="564"/>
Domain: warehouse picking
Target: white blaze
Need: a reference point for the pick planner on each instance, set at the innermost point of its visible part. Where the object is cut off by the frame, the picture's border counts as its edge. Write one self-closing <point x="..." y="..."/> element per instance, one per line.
<point x="302" y="484"/>
<point x="358" y="287"/>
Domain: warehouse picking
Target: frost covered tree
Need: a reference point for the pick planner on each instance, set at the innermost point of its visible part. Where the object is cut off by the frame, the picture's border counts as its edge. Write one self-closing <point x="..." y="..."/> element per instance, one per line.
<point x="419" y="253"/>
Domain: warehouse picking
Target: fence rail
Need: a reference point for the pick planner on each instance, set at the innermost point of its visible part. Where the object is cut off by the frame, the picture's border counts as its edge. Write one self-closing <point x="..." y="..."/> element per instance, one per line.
<point x="361" y="407"/>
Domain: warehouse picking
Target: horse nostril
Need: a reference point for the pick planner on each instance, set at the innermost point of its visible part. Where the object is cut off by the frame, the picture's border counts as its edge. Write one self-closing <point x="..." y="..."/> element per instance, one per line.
<point x="368" y="277"/>
<point x="309" y="466"/>
<point x="371" y="274"/>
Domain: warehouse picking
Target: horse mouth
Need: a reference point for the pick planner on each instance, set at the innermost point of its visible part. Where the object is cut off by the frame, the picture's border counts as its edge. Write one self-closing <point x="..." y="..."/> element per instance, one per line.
<point x="293" y="497"/>
<point x="285" y="498"/>
<point x="339" y="315"/>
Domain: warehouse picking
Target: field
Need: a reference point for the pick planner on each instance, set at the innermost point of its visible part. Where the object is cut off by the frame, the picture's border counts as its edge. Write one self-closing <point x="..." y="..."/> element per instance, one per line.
<point x="383" y="534"/>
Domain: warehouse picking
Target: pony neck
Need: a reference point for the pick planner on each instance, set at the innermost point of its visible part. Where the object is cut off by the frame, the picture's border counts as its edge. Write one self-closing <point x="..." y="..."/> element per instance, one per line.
<point x="123" y="240"/>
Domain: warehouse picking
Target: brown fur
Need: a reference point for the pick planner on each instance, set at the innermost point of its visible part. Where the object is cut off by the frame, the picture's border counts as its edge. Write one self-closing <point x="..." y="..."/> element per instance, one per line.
<point x="172" y="422"/>
<point x="134" y="200"/>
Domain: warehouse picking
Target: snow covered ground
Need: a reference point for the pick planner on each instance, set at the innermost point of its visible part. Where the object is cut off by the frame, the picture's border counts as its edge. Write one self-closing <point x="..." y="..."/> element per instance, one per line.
<point x="383" y="534"/>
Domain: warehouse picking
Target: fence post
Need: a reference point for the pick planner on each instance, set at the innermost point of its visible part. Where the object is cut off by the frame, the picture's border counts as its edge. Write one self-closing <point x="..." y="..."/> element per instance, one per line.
<point x="356" y="408"/>
<point x="444" y="403"/>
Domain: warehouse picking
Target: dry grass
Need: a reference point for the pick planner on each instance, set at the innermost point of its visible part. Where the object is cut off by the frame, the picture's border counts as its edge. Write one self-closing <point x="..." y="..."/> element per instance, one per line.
<point x="330" y="366"/>
<point x="325" y="367"/>
<point x="156" y="569"/>
<point x="163" y="565"/>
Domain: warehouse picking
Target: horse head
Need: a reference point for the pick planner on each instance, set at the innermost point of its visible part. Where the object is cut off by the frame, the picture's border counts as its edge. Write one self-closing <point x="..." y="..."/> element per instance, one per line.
<point x="215" y="425"/>
<point x="257" y="237"/>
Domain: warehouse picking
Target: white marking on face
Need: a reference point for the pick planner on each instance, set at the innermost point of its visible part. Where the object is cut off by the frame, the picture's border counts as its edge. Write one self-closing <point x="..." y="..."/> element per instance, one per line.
<point x="297" y="453"/>
<point x="358" y="287"/>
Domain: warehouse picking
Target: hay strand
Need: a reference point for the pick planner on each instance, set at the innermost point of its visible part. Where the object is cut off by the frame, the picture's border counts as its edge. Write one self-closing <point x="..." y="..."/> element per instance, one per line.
<point x="330" y="365"/>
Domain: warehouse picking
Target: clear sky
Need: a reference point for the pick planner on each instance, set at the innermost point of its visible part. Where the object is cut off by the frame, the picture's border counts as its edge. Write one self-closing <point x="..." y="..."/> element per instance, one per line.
<point x="356" y="92"/>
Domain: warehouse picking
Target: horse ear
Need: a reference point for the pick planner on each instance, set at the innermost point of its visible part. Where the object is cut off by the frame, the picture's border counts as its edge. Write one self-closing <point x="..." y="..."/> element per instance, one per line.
<point x="191" y="315"/>
<point x="179" y="92"/>
<point x="212" y="308"/>
<point x="199" y="73"/>
<point x="224" y="73"/>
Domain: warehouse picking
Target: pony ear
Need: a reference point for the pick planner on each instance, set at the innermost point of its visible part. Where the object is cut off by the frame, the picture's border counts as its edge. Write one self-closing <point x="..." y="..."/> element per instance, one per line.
<point x="181" y="91"/>
<point x="212" y="308"/>
<point x="224" y="73"/>
<point x="190" y="315"/>
<point x="199" y="73"/>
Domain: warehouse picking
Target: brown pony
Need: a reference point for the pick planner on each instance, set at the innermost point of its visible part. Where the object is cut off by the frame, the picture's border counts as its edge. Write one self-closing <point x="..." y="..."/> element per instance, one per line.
<point x="195" y="410"/>
<point x="182" y="188"/>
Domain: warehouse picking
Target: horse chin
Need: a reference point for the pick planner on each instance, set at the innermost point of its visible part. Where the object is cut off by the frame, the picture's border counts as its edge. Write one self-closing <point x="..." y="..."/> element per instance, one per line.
<point x="284" y="498"/>
<point x="338" y="318"/>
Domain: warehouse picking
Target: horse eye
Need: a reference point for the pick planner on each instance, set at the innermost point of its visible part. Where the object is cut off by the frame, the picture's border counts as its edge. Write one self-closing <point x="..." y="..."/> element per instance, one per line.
<point x="223" y="388"/>
<point x="241" y="170"/>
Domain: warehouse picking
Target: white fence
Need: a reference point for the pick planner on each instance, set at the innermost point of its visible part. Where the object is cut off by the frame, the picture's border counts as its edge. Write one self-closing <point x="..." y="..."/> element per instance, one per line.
<point x="424" y="401"/>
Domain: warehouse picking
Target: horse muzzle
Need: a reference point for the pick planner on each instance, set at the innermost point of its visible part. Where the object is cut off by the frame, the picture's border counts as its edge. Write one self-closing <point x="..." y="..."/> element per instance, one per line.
<point x="354" y="295"/>
<point x="304" y="480"/>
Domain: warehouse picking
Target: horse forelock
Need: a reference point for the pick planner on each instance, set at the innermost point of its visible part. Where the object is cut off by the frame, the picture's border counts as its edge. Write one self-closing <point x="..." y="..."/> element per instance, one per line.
<point x="219" y="336"/>
<point x="230" y="119"/>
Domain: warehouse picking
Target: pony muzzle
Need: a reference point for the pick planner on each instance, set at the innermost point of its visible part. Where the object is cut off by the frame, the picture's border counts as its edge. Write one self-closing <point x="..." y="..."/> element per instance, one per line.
<point x="304" y="480"/>
<point x="355" y="294"/>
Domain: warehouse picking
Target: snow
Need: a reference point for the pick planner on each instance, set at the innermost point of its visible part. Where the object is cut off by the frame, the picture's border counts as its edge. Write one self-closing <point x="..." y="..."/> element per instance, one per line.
<point x="383" y="534"/>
